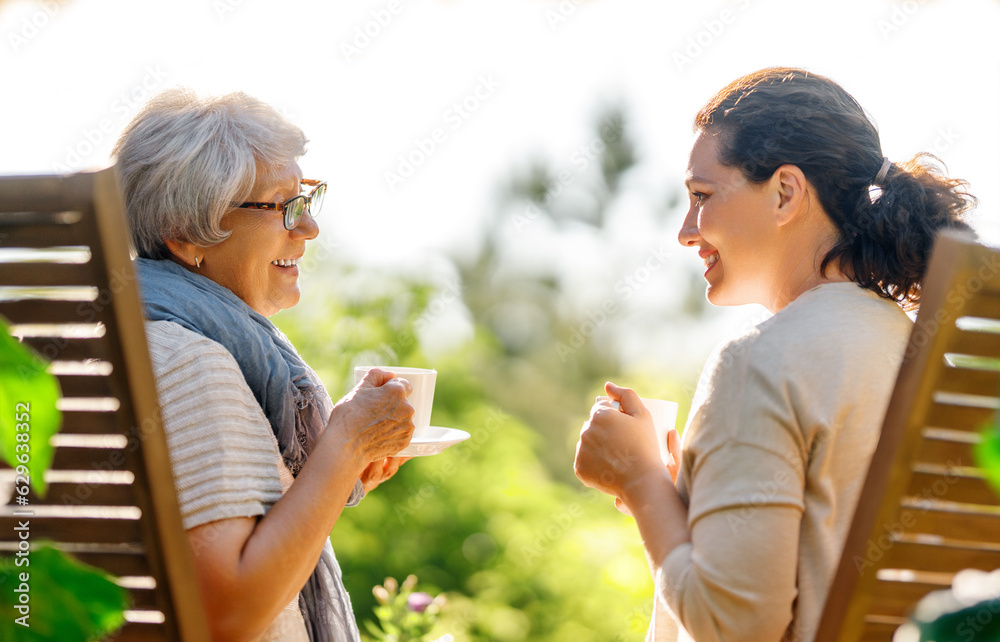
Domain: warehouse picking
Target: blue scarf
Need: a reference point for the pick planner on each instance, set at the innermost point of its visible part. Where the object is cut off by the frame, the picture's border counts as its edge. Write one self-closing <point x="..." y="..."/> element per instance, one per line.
<point x="296" y="406"/>
<point x="276" y="374"/>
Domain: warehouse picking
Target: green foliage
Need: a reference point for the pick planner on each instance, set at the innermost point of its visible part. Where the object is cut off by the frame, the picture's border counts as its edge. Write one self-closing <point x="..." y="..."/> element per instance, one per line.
<point x="498" y="523"/>
<point x="69" y="601"/>
<point x="404" y="615"/>
<point x="956" y="625"/>
<point x="46" y="594"/>
<point x="28" y="413"/>
<point x="988" y="455"/>
<point x="967" y="611"/>
<point x="521" y="554"/>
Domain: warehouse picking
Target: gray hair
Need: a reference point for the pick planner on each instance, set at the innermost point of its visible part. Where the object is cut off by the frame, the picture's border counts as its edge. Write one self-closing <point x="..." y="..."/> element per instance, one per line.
<point x="184" y="160"/>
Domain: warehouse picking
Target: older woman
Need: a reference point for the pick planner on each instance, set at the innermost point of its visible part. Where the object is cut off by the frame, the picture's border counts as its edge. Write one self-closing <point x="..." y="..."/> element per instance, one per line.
<point x="792" y="206"/>
<point x="264" y="462"/>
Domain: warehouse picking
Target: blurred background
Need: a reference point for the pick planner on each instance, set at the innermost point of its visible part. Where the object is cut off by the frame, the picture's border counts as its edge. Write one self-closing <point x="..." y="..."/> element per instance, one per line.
<point x="506" y="188"/>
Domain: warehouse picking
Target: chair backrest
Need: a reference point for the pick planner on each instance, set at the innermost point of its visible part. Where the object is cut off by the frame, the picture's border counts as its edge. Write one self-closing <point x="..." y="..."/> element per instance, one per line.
<point x="926" y="511"/>
<point x="72" y="295"/>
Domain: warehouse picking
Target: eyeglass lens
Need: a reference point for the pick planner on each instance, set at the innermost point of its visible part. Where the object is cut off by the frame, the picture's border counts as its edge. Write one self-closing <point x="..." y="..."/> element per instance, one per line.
<point x="296" y="207"/>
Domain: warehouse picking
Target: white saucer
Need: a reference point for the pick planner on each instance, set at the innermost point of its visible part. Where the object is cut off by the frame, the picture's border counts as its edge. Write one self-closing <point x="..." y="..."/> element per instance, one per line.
<point x="434" y="440"/>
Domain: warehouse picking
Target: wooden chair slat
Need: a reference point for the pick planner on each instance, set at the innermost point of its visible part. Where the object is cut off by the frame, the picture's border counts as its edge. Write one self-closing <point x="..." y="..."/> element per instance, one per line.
<point x="71" y="458"/>
<point x="140" y="632"/>
<point x="46" y="274"/>
<point x="945" y="452"/>
<point x="68" y="349"/>
<point x="91" y="494"/>
<point x="79" y="530"/>
<point x="976" y="344"/>
<point x="941" y="558"/>
<point x="957" y="417"/>
<point x="45" y="311"/>
<point x="143" y="598"/>
<point x="90" y="423"/>
<point x="878" y="631"/>
<point x="53" y="193"/>
<point x="9" y="220"/>
<point x="952" y="524"/>
<point x="951" y="487"/>
<point x="117" y="563"/>
<point x="85" y="386"/>
<point x="985" y="305"/>
<point x="897" y="598"/>
<point x="43" y="236"/>
<point x="974" y="382"/>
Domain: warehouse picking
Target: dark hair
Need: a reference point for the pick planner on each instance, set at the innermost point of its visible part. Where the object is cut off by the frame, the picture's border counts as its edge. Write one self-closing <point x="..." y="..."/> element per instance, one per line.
<point x="780" y="116"/>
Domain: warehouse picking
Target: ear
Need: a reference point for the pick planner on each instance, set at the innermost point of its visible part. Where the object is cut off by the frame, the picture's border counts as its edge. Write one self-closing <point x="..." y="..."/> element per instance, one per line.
<point x="790" y="187"/>
<point x="184" y="252"/>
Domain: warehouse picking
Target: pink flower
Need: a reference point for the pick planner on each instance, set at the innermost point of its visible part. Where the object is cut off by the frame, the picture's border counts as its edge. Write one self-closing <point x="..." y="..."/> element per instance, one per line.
<point x="418" y="602"/>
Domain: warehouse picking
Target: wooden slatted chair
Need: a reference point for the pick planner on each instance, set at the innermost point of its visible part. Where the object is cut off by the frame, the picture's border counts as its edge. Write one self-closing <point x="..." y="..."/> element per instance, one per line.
<point x="926" y="511"/>
<point x="111" y="500"/>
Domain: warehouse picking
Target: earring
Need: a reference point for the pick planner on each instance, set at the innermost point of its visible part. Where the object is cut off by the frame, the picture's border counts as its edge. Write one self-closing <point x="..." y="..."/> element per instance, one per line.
<point x="197" y="262"/>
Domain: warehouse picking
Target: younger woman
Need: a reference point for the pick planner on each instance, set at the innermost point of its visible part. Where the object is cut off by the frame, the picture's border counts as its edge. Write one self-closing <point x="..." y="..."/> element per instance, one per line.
<point x="795" y="207"/>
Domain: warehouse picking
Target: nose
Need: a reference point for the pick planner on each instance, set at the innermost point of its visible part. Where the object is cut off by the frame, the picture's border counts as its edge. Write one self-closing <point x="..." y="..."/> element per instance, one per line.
<point x="689" y="236"/>
<point x="307" y="228"/>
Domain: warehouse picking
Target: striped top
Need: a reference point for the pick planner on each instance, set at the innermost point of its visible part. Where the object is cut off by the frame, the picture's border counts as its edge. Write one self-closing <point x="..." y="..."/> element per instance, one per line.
<point x="225" y="457"/>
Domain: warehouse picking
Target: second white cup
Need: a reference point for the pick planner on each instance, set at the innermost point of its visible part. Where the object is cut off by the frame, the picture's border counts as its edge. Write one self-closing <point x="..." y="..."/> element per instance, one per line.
<point x="422" y="396"/>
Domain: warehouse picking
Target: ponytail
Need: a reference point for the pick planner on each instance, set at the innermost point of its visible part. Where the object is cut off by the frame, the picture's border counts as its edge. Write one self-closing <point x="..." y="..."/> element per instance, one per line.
<point x="886" y="244"/>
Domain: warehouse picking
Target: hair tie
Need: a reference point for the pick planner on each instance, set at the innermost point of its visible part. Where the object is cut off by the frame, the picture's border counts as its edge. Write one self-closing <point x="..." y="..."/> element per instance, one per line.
<point x="883" y="172"/>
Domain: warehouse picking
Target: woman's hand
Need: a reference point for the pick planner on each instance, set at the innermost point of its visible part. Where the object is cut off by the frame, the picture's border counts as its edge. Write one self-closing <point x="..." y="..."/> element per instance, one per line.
<point x="379" y="471"/>
<point x="375" y="421"/>
<point x="618" y="448"/>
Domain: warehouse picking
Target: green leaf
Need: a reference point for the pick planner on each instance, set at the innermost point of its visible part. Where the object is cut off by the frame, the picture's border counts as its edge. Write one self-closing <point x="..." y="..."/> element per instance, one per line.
<point x="988" y="456"/>
<point x="66" y="600"/>
<point x="28" y="395"/>
<point x="975" y="623"/>
<point x="376" y="632"/>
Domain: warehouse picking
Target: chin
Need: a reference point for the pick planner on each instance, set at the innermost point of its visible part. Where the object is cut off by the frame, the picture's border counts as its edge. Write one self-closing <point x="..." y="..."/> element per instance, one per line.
<point x="723" y="297"/>
<point x="289" y="301"/>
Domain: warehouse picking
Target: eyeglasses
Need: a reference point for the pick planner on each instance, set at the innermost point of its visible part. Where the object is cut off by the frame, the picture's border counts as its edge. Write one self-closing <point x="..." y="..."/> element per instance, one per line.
<point x="294" y="208"/>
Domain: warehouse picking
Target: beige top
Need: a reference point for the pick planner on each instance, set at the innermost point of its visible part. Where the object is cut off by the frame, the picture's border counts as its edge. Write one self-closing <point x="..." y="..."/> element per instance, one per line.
<point x="226" y="462"/>
<point x="782" y="428"/>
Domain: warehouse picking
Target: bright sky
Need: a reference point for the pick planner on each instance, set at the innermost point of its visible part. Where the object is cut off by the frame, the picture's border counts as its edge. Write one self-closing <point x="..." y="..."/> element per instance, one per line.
<point x="484" y="86"/>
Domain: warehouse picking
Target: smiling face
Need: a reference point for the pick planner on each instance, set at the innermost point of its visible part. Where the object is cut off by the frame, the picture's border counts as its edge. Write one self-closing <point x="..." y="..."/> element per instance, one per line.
<point x="731" y="222"/>
<point x="259" y="261"/>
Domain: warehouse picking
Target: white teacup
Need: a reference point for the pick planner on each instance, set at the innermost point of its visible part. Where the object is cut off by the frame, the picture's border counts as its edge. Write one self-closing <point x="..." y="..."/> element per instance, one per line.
<point x="422" y="396"/>
<point x="664" y="419"/>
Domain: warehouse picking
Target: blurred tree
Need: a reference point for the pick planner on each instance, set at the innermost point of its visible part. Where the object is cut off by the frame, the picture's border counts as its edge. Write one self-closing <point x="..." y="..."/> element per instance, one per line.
<point x="559" y="355"/>
<point x="484" y="521"/>
<point x="500" y="522"/>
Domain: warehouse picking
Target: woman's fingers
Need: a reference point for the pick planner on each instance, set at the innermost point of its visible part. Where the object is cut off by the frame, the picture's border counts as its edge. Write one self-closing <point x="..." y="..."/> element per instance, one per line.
<point x="674" y="448"/>
<point x="377" y="421"/>
<point x="381" y="470"/>
<point x="378" y="378"/>
<point x="371" y="476"/>
<point x="397" y="381"/>
<point x="622" y="508"/>
<point x="628" y="398"/>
